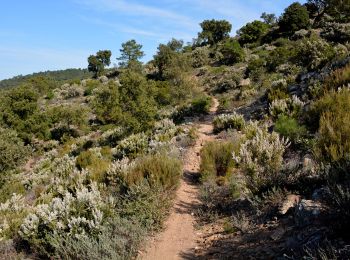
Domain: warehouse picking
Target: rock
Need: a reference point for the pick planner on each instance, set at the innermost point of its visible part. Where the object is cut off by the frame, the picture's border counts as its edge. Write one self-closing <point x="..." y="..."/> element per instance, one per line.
<point x="290" y="202"/>
<point x="278" y="234"/>
<point x="103" y="79"/>
<point x="308" y="164"/>
<point x="307" y="212"/>
<point x="321" y="194"/>
<point x="245" y="82"/>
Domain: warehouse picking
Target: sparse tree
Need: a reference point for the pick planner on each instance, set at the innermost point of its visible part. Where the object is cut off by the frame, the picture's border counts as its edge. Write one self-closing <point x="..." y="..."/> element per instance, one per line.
<point x="98" y="62"/>
<point x="252" y="32"/>
<point x="131" y="52"/>
<point x="214" y="31"/>
<point x="269" y="19"/>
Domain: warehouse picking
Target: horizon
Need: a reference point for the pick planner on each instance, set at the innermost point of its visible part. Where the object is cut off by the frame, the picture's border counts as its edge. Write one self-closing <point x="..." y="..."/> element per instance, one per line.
<point x="40" y="36"/>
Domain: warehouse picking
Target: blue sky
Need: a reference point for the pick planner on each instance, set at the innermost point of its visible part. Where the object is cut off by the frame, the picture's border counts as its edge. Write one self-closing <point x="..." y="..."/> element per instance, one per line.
<point x="39" y="35"/>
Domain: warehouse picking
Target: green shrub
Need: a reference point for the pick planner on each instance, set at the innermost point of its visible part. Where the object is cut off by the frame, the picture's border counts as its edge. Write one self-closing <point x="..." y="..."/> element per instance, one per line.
<point x="13" y="152"/>
<point x="290" y="128"/>
<point x="158" y="170"/>
<point x="201" y="105"/>
<point x="231" y="51"/>
<point x="96" y="161"/>
<point x="200" y="57"/>
<point x="294" y="18"/>
<point x="252" y="32"/>
<point x="281" y="55"/>
<point x="277" y="91"/>
<point x="216" y="160"/>
<point x="337" y="79"/>
<point x="314" y="53"/>
<point x="334" y="132"/>
<point x="119" y="239"/>
<point x="228" y="121"/>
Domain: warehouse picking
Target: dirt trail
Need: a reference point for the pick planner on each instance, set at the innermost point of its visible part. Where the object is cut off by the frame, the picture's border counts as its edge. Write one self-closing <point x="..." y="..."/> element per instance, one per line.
<point x="179" y="237"/>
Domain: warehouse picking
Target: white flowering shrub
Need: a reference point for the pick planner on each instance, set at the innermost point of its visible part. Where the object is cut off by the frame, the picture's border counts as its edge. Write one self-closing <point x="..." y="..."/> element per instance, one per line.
<point x="289" y="106"/>
<point x="113" y="136"/>
<point x="78" y="215"/>
<point x="314" y="53"/>
<point x="226" y="121"/>
<point x="131" y="146"/>
<point x="118" y="171"/>
<point x="261" y="157"/>
<point x="200" y="56"/>
<point x="11" y="215"/>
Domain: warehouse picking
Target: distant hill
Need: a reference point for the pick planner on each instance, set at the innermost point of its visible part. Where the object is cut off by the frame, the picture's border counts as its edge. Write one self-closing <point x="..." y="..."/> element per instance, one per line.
<point x="60" y="76"/>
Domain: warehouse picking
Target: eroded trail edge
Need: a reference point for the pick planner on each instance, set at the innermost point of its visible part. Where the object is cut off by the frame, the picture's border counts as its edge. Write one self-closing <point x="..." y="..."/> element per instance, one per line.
<point x="179" y="236"/>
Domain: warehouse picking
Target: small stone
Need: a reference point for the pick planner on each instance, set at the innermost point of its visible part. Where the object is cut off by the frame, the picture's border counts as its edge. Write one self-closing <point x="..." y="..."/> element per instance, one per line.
<point x="290" y="202"/>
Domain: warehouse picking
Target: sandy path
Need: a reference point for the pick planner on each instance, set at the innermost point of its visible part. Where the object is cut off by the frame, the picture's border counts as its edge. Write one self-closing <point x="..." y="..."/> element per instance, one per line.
<point x="179" y="237"/>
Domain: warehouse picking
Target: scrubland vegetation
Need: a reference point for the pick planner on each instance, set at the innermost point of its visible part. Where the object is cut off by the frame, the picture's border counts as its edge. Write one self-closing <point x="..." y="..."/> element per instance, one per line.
<point x="89" y="164"/>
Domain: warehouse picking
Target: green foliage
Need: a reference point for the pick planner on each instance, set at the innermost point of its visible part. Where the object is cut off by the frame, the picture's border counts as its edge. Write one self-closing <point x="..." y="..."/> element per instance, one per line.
<point x="119" y="239"/>
<point x="13" y="152"/>
<point x="96" y="162"/>
<point x="170" y="61"/>
<point x="334" y="132"/>
<point x="199" y="106"/>
<point x="98" y="62"/>
<point x="228" y="121"/>
<point x="216" y="160"/>
<point x="214" y="31"/>
<point x="289" y="128"/>
<point x="277" y="91"/>
<point x="337" y="79"/>
<point x="252" y="32"/>
<point x="200" y="56"/>
<point x="281" y="55"/>
<point x="339" y="9"/>
<point x="130" y="54"/>
<point x="231" y="51"/>
<point x="158" y="170"/>
<point x="314" y="53"/>
<point x="19" y="110"/>
<point x="269" y="19"/>
<point x="294" y="18"/>
<point x="55" y="77"/>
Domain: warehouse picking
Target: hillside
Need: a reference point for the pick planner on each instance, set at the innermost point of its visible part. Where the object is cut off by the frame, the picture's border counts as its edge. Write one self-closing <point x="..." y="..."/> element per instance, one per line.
<point x="60" y="76"/>
<point x="224" y="148"/>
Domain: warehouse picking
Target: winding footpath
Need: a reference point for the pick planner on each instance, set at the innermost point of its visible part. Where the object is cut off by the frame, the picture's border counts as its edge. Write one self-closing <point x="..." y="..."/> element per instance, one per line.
<point x="178" y="240"/>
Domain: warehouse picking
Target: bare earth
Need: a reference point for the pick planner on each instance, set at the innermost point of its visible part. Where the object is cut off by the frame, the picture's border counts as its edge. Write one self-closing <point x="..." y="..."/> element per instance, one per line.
<point x="178" y="240"/>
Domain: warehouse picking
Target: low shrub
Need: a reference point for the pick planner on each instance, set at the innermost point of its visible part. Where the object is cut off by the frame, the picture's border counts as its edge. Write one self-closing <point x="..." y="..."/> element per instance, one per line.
<point x="200" y="56"/>
<point x="261" y="159"/>
<point x="314" y="53"/>
<point x="216" y="160"/>
<point x="75" y="214"/>
<point x="119" y="239"/>
<point x="228" y="121"/>
<point x="131" y="146"/>
<point x="201" y="105"/>
<point x="158" y="170"/>
<point x="289" y="106"/>
<point x="13" y="152"/>
<point x="332" y="111"/>
<point x="289" y="127"/>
